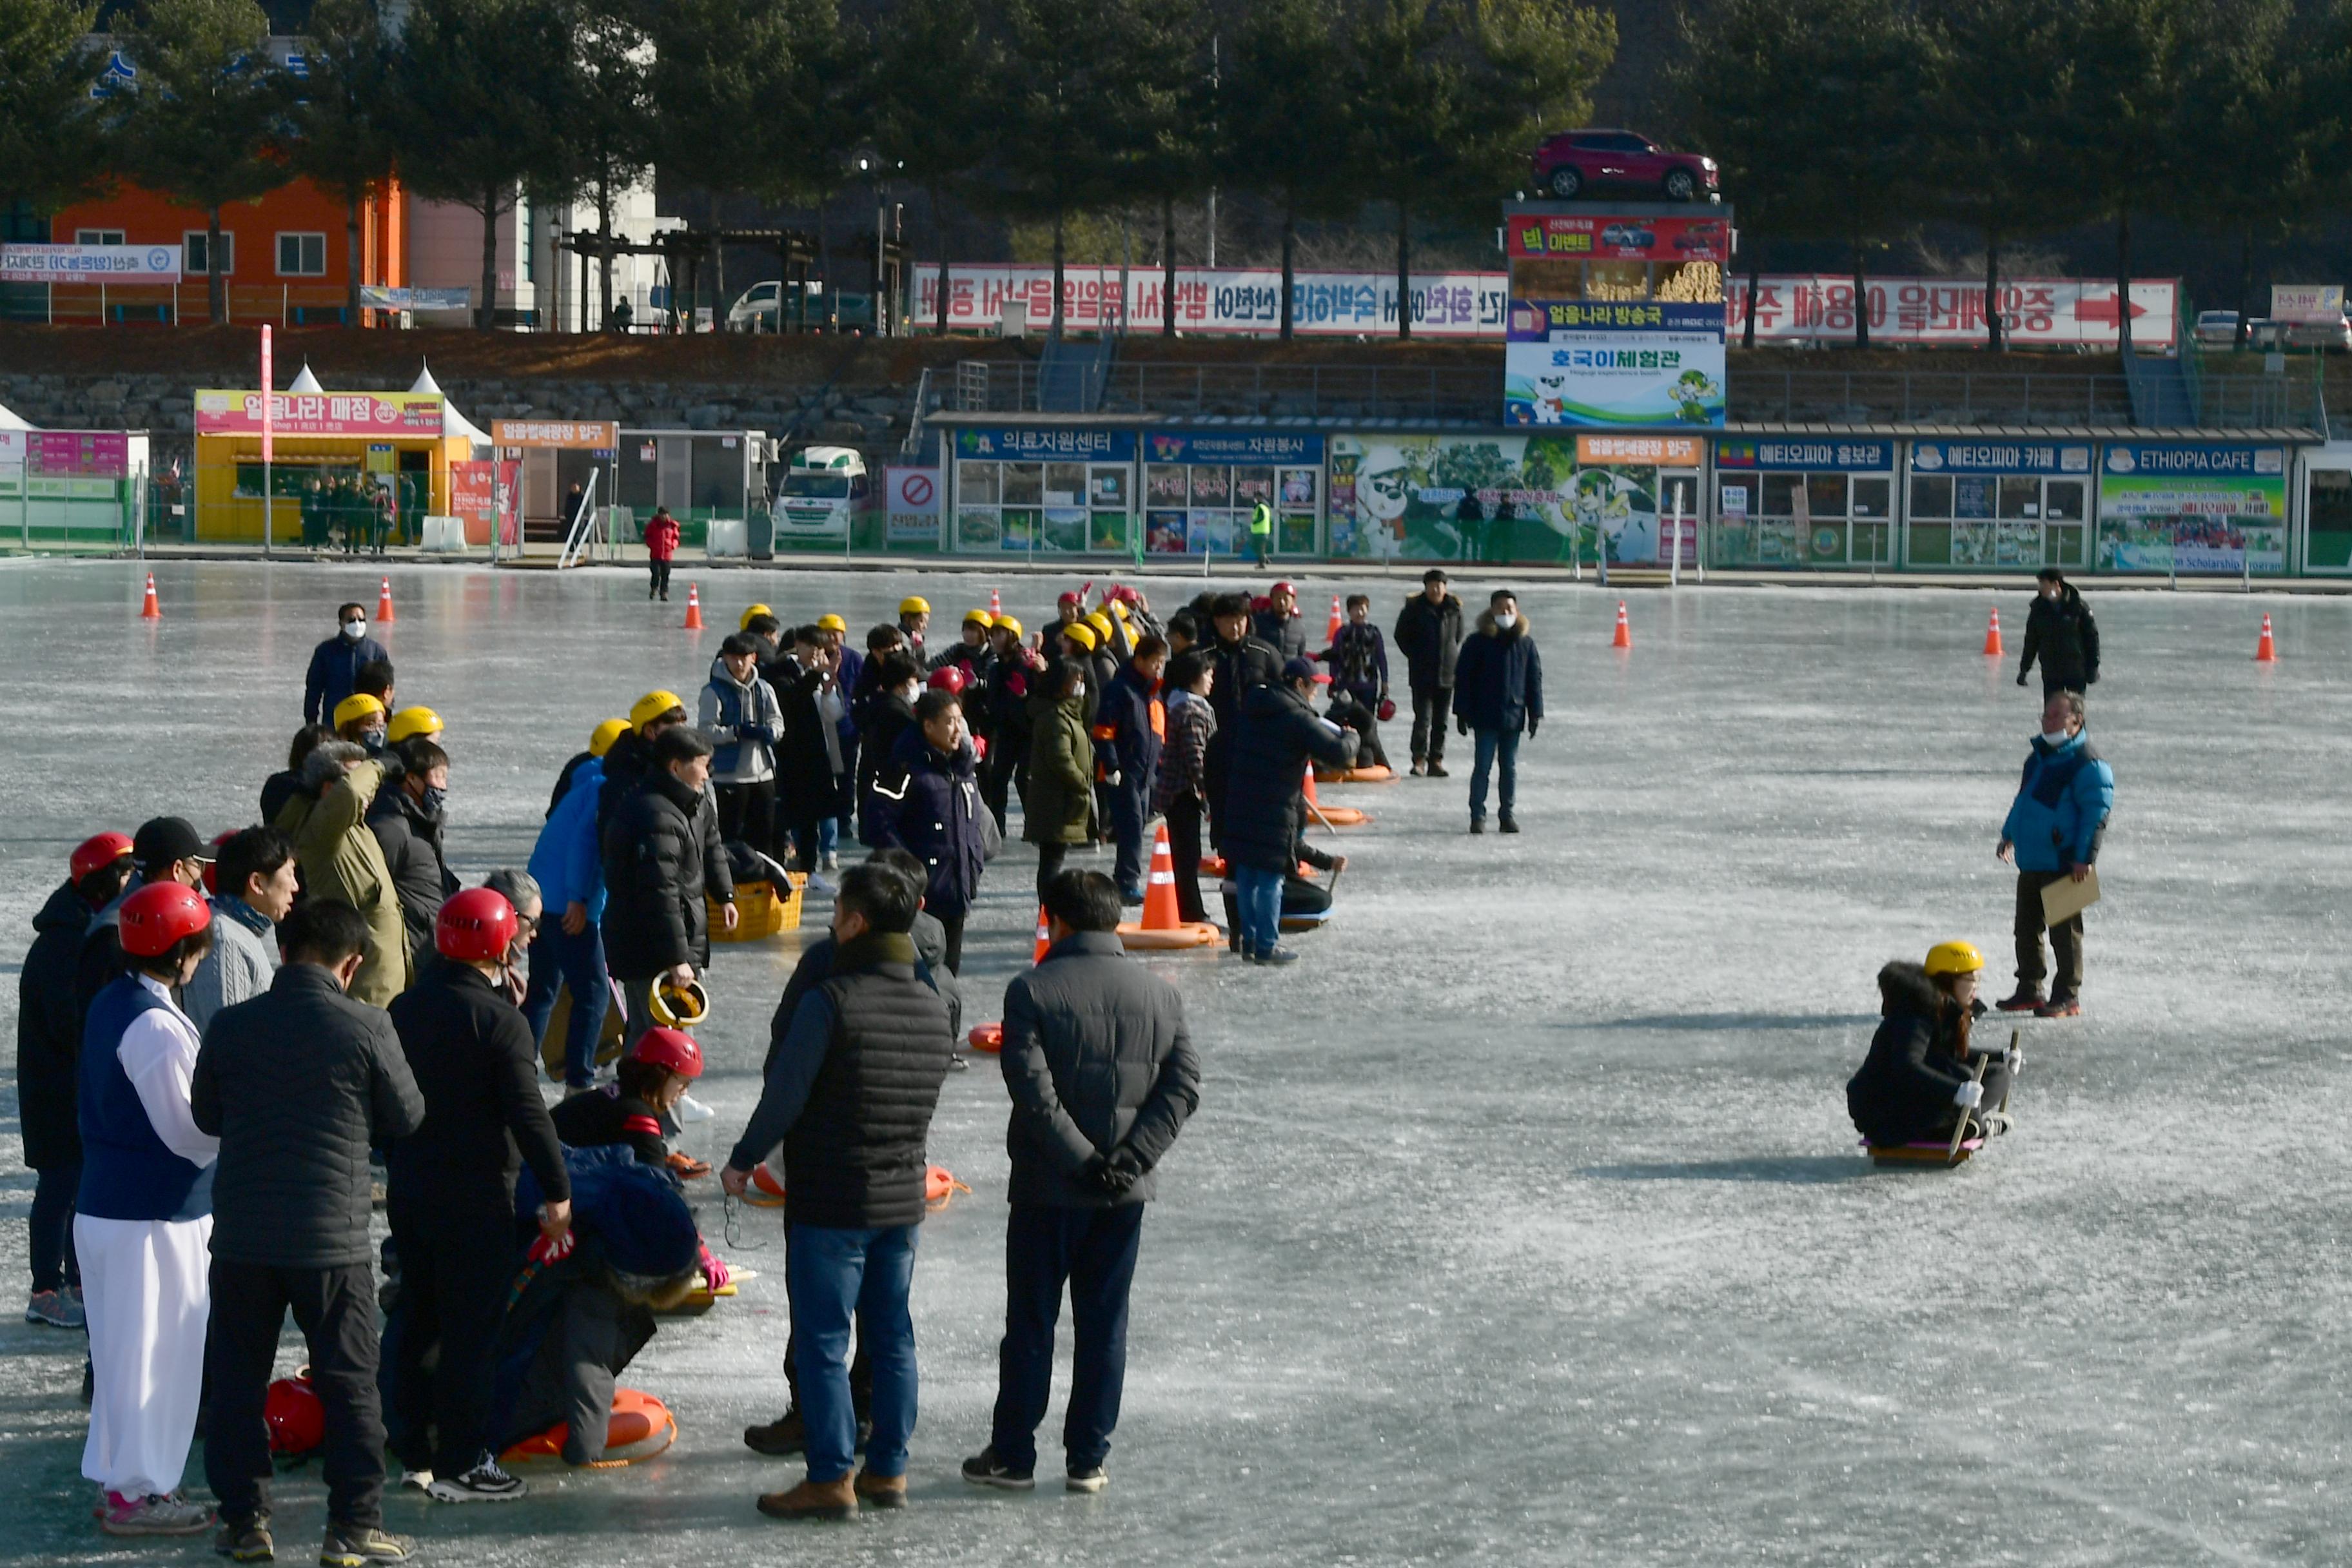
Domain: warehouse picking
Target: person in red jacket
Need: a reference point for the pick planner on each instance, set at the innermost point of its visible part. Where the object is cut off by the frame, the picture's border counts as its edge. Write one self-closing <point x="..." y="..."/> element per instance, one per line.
<point x="661" y="543"/>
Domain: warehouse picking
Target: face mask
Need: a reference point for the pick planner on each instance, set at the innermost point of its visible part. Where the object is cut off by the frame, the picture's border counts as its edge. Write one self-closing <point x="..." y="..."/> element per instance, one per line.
<point x="371" y="739"/>
<point x="1078" y="691"/>
<point x="434" y="800"/>
<point x="1505" y="620"/>
<point x="355" y="629"/>
<point x="2055" y="737"/>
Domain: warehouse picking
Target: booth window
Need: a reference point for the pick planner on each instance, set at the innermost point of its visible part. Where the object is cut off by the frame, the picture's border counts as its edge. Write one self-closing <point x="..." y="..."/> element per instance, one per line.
<point x="197" y="250"/>
<point x="97" y="236"/>
<point x="301" y="256"/>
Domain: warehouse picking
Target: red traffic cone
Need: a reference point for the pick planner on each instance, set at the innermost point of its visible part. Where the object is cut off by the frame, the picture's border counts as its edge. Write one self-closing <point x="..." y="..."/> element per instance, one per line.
<point x="2265" y="651"/>
<point x="1045" y="936"/>
<point x="149" y="610"/>
<point x="995" y="603"/>
<point x="1624" y="634"/>
<point x="1311" y="797"/>
<point x="693" y="607"/>
<point x="383" y="616"/>
<point x="1337" y="621"/>
<point x="1992" y="635"/>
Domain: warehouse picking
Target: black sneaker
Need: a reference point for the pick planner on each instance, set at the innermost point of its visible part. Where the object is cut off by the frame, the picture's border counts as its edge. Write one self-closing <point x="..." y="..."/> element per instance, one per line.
<point x="1091" y="1479"/>
<point x="984" y="1469"/>
<point x="1438" y="770"/>
<point x="247" y="1542"/>
<point x="356" y="1546"/>
<point x="1274" y="954"/>
<point x="484" y="1483"/>
<point x="786" y="1435"/>
<point x="1508" y="823"/>
<point x="1478" y="825"/>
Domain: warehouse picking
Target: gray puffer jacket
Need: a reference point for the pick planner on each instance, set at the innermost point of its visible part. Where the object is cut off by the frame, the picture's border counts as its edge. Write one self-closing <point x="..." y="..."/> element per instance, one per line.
<point x="1098" y="1062"/>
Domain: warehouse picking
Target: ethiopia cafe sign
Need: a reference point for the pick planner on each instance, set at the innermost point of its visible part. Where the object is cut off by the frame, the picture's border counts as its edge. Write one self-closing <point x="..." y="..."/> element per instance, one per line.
<point x="412" y="415"/>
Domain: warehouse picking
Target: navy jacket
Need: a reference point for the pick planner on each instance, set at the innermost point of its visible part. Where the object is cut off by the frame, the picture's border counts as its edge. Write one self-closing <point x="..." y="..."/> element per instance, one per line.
<point x="1126" y="712"/>
<point x="1279" y="735"/>
<point x="334" y="665"/>
<point x="1498" y="678"/>
<point x="929" y="805"/>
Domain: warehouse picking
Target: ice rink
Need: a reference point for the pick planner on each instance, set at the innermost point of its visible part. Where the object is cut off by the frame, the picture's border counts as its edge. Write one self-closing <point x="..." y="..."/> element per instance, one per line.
<point x="1522" y="1221"/>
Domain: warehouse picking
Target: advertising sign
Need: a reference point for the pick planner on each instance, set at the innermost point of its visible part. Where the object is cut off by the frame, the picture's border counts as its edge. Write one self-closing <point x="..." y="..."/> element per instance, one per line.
<point x="2307" y="302"/>
<point x="1400" y="498"/>
<point x="2035" y="311"/>
<point x="1599" y="237"/>
<point x="912" y="503"/>
<point x="1805" y="455"/>
<point x="1252" y="447"/>
<point x="377" y="297"/>
<point x="367" y="414"/>
<point x="563" y="435"/>
<point x="2192" y="507"/>
<point x="486" y="494"/>
<point x="90" y="263"/>
<point x="1066" y="444"/>
<point x="1591" y="362"/>
<point x="1999" y="457"/>
<point x="1246" y="302"/>
<point x="1657" y="451"/>
<point x="66" y="453"/>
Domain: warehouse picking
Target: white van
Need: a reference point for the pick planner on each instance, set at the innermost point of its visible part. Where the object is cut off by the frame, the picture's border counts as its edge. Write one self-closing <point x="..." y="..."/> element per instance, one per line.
<point x="824" y="487"/>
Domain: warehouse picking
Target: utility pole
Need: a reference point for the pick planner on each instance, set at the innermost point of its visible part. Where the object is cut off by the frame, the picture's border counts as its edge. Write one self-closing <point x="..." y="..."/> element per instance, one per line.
<point x="1216" y="80"/>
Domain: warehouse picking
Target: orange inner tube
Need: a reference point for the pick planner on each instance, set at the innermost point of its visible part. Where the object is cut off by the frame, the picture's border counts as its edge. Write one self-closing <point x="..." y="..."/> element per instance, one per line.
<point x="986" y="1037"/>
<point x="639" y="1427"/>
<point x="1355" y="775"/>
<point x="1340" y="815"/>
<point x="1190" y="934"/>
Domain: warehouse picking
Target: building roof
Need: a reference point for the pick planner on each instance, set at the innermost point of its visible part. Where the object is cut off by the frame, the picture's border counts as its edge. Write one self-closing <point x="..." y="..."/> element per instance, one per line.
<point x="2260" y="435"/>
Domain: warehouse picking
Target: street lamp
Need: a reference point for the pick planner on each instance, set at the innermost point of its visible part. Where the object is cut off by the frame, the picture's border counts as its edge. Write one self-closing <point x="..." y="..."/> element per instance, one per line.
<point x="876" y="169"/>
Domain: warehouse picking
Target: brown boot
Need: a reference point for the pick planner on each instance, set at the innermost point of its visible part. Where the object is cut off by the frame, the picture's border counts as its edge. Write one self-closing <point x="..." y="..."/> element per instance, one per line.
<point x="881" y="1491"/>
<point x="813" y="1500"/>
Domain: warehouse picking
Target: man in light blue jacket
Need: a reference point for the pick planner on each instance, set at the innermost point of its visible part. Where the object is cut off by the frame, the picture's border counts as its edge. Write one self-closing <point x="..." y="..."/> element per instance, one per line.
<point x="569" y="949"/>
<point x="2053" y="831"/>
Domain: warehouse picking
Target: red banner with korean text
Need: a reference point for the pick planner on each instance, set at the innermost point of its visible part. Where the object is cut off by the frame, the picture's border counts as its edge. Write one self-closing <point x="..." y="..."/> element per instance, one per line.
<point x="2036" y="312"/>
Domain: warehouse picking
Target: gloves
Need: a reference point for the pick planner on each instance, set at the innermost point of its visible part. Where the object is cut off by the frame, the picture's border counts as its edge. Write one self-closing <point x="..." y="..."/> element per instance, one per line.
<point x="1111" y="778"/>
<point x="1461" y="726"/>
<point x="1113" y="1176"/>
<point x="1532" y="722"/>
<point x="1968" y="1096"/>
<point x="685" y="1166"/>
<point x="545" y="1251"/>
<point x="2020" y="678"/>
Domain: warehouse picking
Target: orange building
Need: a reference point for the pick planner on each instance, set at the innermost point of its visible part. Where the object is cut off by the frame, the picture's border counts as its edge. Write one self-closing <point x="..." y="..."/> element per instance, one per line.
<point x="284" y="256"/>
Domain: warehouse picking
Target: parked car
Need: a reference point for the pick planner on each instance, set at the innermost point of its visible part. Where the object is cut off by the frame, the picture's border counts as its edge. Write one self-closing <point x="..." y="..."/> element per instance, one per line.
<point x="824" y="487"/>
<point x="754" y="309"/>
<point x="2334" y="336"/>
<point x="1586" y="162"/>
<point x="2217" y="328"/>
<point x="1631" y="235"/>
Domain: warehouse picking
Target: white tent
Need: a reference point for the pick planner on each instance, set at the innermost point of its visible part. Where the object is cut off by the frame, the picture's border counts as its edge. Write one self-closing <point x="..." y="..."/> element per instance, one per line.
<point x="305" y="381"/>
<point x="11" y="420"/>
<point x="453" y="423"/>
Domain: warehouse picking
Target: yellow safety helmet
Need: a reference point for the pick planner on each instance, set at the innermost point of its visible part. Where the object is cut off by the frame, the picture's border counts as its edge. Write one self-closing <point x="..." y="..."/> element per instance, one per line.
<point x="1101" y="623"/>
<point x="914" y="605"/>
<point x="601" y="739"/>
<point x="978" y="618"/>
<point x="411" y="721"/>
<point x="358" y="705"/>
<point x="1010" y="624"/>
<point x="757" y="610"/>
<point x="1081" y="634"/>
<point x="677" y="1007"/>
<point x="831" y="622"/>
<point x="652" y="705"/>
<point x="1954" y="958"/>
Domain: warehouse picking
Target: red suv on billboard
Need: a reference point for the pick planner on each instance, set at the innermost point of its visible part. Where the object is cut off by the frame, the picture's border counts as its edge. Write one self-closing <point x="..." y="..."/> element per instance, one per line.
<point x="1585" y="163"/>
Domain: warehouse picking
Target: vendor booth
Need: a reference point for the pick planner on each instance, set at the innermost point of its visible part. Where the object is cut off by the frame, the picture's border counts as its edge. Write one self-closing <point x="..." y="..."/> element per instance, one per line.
<point x="70" y="489"/>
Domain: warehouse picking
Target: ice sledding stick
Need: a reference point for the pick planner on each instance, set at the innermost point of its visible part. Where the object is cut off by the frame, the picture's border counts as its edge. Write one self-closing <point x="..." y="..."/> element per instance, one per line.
<point x="2016" y="1061"/>
<point x="1960" y="1128"/>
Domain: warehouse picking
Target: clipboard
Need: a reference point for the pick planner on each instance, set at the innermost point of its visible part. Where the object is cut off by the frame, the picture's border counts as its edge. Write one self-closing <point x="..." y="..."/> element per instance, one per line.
<point x="2066" y="898"/>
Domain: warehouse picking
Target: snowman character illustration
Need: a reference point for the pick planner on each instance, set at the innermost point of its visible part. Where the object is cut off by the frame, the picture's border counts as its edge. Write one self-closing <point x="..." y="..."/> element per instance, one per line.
<point x="1692" y="392"/>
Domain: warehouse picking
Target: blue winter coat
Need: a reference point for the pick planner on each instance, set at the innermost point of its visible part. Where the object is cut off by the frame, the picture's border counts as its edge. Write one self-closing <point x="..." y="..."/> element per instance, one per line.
<point x="334" y="665"/>
<point x="1278" y="736"/>
<point x="2062" y="806"/>
<point x="930" y="807"/>
<point x="1125" y="712"/>
<point x="567" y="861"/>
<point x="1498" y="677"/>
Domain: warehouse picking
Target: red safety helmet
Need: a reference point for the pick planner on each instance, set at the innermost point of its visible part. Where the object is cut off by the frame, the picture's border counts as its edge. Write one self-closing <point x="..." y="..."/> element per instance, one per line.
<point x="1281" y="587"/>
<point x="212" y="870"/>
<point x="1071" y="596"/>
<point x="159" y="915"/>
<point x="672" y="1049"/>
<point x="296" y="1417"/>
<point x="97" y="852"/>
<point x="476" y="926"/>
<point x="949" y="679"/>
<point x="1387" y="710"/>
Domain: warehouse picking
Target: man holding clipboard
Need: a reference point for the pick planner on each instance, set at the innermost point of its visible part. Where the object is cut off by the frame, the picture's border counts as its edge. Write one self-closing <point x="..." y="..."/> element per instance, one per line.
<point x="2052" y="833"/>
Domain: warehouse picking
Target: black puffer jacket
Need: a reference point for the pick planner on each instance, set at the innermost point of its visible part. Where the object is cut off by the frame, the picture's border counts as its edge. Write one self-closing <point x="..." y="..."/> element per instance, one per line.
<point x="1430" y="637"/>
<point x="1098" y="1062"/>
<point x="473" y="1058"/>
<point x="2062" y="634"/>
<point x="48" y="1031"/>
<point x="887" y="718"/>
<point x="299" y="1084"/>
<point x="661" y="854"/>
<point x="1279" y="735"/>
<point x="1499" y="683"/>
<point x="1287" y="634"/>
<point x="410" y="838"/>
<point x="1903" y="1091"/>
<point x="929" y="805"/>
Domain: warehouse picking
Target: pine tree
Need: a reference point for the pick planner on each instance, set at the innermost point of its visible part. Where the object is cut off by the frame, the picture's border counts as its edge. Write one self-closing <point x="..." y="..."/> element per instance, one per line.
<point x="933" y="111"/>
<point x="52" y="145"/>
<point x="343" y="134"/>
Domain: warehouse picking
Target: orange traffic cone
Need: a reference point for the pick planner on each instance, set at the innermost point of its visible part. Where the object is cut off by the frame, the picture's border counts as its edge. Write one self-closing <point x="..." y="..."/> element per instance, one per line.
<point x="693" y="607"/>
<point x="1624" y="634"/>
<point x="1337" y="622"/>
<point x="149" y="610"/>
<point x="1331" y="816"/>
<point x="383" y="616"/>
<point x="1992" y="635"/>
<point x="995" y="603"/>
<point x="1044" y="937"/>
<point x="2265" y="651"/>
<point x="1311" y="798"/>
<point x="1163" y="926"/>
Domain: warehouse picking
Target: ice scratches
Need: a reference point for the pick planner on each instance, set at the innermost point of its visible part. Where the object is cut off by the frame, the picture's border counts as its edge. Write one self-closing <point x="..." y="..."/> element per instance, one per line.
<point x="1706" y="1021"/>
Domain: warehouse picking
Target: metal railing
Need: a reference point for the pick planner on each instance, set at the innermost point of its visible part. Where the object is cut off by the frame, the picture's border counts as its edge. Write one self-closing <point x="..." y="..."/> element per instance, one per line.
<point x="1926" y="397"/>
<point x="1447" y="394"/>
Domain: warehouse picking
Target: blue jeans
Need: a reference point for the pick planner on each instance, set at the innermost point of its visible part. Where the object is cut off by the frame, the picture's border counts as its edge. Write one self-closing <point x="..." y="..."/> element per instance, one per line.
<point x="1093" y="1251"/>
<point x="1491" y="745"/>
<point x="577" y="961"/>
<point x="1259" y="896"/>
<point x="54" y="1191"/>
<point x="828" y="834"/>
<point x="1130" y="809"/>
<point x="835" y="1278"/>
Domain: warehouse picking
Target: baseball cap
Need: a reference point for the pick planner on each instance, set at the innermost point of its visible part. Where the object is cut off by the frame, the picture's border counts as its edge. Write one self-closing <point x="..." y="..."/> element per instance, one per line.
<point x="1299" y="669"/>
<point x="161" y="840"/>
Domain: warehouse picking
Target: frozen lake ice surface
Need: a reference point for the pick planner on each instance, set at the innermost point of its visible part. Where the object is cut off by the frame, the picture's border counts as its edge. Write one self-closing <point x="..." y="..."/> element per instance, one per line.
<point x="1521" y="1222"/>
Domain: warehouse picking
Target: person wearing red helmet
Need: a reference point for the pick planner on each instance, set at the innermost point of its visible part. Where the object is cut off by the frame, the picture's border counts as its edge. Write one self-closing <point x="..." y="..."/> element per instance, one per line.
<point x="451" y="1196"/>
<point x="652" y="1079"/>
<point x="298" y="1083"/>
<point x="164" y="849"/>
<point x="143" y="1217"/>
<point x="1280" y="626"/>
<point x="48" y="1041"/>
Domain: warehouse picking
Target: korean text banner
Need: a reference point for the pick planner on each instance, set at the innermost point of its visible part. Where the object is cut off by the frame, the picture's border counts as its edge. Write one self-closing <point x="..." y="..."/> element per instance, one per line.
<point x="2322" y="302"/>
<point x="1246" y="302"/>
<point x="1247" y="447"/>
<point x="1613" y="376"/>
<point x="378" y="413"/>
<point x="1033" y="443"/>
<point x="1600" y="237"/>
<point x="2002" y="457"/>
<point x="89" y="264"/>
<point x="2055" y="312"/>
<point x="571" y="435"/>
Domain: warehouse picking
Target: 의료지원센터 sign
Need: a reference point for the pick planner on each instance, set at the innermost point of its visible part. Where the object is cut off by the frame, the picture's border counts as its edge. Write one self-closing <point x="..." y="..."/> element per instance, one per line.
<point x="2187" y="506"/>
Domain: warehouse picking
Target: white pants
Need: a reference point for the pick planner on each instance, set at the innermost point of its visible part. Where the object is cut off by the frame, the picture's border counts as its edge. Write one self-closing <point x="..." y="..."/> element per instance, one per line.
<point x="144" y="1283"/>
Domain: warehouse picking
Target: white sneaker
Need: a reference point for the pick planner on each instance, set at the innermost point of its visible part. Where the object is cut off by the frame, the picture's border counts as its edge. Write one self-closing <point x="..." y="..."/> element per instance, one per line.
<point x="819" y="887"/>
<point x="689" y="1108"/>
<point x="416" y="1480"/>
<point x="831" y="862"/>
